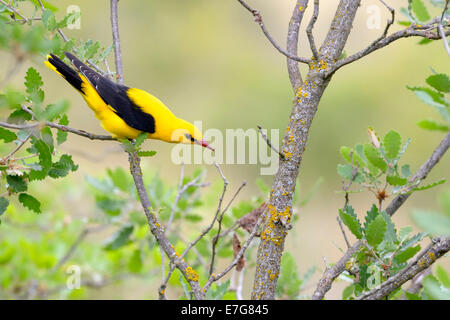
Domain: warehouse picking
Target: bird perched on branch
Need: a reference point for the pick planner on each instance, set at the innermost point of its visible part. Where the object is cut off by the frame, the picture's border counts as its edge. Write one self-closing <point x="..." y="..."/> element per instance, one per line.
<point x="125" y="112"/>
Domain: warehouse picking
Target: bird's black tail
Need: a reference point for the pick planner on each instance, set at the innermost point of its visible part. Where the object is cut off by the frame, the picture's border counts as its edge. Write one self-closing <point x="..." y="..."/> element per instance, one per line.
<point x="57" y="65"/>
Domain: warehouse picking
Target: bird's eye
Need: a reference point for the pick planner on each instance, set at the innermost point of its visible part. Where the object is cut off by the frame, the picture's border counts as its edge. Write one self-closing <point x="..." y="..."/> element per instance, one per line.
<point x="188" y="136"/>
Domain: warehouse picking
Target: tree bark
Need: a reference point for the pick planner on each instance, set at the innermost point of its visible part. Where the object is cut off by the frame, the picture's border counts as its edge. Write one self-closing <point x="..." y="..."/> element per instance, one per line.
<point x="278" y="213"/>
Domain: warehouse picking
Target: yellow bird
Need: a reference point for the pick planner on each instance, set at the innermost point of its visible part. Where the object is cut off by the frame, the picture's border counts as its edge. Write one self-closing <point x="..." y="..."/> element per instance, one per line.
<point x="125" y="112"/>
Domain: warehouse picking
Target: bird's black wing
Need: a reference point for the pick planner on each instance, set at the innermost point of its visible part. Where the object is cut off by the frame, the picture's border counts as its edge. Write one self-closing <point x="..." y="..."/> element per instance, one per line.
<point x="116" y="96"/>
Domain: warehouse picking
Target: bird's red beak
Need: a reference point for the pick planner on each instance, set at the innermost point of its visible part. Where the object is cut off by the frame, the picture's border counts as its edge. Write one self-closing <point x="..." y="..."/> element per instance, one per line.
<point x="205" y="144"/>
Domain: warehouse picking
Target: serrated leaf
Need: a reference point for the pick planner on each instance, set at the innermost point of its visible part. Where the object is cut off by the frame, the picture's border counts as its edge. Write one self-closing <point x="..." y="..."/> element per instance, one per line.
<point x="33" y="80"/>
<point x="429" y="186"/>
<point x="120" y="238"/>
<point x="7" y="136"/>
<point x="371" y="215"/>
<point x="441" y="82"/>
<point x="350" y="219"/>
<point x="391" y="143"/>
<point x="432" y="125"/>
<point x="62" y="167"/>
<point x="396" y="180"/>
<point x="61" y="136"/>
<point x="45" y="156"/>
<point x="30" y="202"/>
<point x="16" y="183"/>
<point x="373" y="155"/>
<point x="405" y="255"/>
<point x="140" y="139"/>
<point x="375" y="231"/>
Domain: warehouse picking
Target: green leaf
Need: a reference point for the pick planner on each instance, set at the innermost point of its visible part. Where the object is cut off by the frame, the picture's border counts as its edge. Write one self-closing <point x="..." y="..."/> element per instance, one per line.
<point x="55" y="110"/>
<point x="146" y="153"/>
<point x="434" y="99"/>
<point x="432" y="125"/>
<point x="33" y="80"/>
<point x="16" y="183"/>
<point x="406" y="171"/>
<point x="350" y="219"/>
<point x="405" y="255"/>
<point x="420" y="10"/>
<point x="111" y="206"/>
<point x="140" y="139"/>
<point x="396" y="180"/>
<point x="120" y="178"/>
<point x="7" y="136"/>
<point x="391" y="232"/>
<point x="429" y="186"/>
<point x="434" y="223"/>
<point x="217" y="292"/>
<point x="441" y="82"/>
<point x="376" y="230"/>
<point x="412" y="296"/>
<point x="392" y="142"/>
<point x="345" y="171"/>
<point x="289" y="281"/>
<point x="433" y="289"/>
<point x="374" y="156"/>
<point x="4" y="203"/>
<point x="30" y="202"/>
<point x="45" y="156"/>
<point x="348" y="292"/>
<point x="120" y="238"/>
<point x="62" y="167"/>
<point x="135" y="263"/>
<point x="61" y="136"/>
<point x="49" y="20"/>
<point x="443" y="276"/>
<point x="371" y="215"/>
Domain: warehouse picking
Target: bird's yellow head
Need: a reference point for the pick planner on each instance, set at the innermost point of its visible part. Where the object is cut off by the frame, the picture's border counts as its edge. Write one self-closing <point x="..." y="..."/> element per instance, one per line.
<point x="186" y="132"/>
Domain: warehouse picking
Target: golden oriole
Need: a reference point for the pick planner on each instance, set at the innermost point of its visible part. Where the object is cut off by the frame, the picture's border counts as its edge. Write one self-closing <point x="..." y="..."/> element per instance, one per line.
<point x="125" y="112"/>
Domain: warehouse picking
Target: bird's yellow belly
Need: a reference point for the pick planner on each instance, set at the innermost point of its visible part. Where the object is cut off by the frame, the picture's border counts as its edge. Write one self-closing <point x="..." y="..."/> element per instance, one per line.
<point x="110" y="121"/>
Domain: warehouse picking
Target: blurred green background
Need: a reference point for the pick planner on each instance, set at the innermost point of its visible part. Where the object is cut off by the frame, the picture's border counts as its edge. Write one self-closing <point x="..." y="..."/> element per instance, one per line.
<point x="209" y="61"/>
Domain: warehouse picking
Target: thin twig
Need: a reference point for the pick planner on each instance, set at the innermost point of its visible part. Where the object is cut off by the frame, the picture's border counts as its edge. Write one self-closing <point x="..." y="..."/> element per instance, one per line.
<point x="219" y="220"/>
<point x="309" y="30"/>
<point x="264" y="136"/>
<point x="441" y="28"/>
<point x="259" y="21"/>
<point x="292" y="43"/>
<point x="214" y="278"/>
<point x="116" y="40"/>
<point x="421" y="262"/>
<point x="14" y="10"/>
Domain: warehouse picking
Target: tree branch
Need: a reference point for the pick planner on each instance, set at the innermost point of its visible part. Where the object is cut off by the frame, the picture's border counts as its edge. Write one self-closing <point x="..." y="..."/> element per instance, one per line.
<point x="309" y="30"/>
<point x="330" y="274"/>
<point x="422" y="261"/>
<point x="116" y="41"/>
<point x="424" y="31"/>
<point x="292" y="43"/>
<point x="259" y="21"/>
